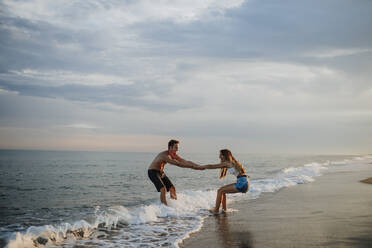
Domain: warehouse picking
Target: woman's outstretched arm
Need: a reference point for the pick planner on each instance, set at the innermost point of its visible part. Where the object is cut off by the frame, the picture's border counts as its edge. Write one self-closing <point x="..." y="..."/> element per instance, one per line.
<point x="216" y="166"/>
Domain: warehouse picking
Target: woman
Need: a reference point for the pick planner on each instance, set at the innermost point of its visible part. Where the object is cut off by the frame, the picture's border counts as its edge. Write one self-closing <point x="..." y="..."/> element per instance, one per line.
<point x="231" y="165"/>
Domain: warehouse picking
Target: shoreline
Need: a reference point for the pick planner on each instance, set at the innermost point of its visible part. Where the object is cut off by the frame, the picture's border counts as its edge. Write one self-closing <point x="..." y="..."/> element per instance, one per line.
<point x="333" y="211"/>
<point x="367" y="180"/>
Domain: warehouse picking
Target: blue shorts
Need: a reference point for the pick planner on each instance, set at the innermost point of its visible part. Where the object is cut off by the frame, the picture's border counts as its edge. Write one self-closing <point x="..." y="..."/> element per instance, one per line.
<point x="242" y="184"/>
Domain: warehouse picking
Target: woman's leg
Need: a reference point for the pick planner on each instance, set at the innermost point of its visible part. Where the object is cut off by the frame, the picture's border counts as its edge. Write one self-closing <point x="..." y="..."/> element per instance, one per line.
<point x="224" y="208"/>
<point x="230" y="188"/>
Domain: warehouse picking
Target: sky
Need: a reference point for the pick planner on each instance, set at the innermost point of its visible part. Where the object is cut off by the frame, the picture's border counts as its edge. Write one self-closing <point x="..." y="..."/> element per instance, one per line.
<point x="254" y="76"/>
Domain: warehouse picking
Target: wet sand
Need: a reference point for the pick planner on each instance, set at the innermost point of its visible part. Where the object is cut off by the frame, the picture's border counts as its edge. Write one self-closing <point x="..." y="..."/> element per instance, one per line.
<point x="334" y="211"/>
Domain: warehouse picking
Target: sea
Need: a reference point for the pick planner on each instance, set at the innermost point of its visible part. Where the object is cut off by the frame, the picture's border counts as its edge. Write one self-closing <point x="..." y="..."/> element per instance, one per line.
<point x="105" y="199"/>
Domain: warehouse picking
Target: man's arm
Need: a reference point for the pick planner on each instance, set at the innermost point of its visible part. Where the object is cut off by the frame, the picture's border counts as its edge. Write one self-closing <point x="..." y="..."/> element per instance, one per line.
<point x="177" y="163"/>
<point x="216" y="166"/>
<point x="178" y="158"/>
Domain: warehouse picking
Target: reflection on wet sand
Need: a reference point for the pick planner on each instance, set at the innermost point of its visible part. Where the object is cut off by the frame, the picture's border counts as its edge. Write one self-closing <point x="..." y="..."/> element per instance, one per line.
<point x="232" y="239"/>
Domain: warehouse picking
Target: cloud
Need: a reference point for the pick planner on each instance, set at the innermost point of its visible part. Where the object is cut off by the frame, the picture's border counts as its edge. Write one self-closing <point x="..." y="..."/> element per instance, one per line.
<point x="144" y="95"/>
<point x="99" y="14"/>
<point x="206" y="82"/>
<point x="7" y="92"/>
<point x="86" y="37"/>
<point x="81" y="126"/>
<point x="58" y="78"/>
<point x="331" y="53"/>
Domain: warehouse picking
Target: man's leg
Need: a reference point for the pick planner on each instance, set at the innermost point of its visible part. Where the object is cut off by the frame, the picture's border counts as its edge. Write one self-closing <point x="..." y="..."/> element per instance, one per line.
<point x="155" y="177"/>
<point x="173" y="193"/>
<point x="163" y="196"/>
<point x="169" y="185"/>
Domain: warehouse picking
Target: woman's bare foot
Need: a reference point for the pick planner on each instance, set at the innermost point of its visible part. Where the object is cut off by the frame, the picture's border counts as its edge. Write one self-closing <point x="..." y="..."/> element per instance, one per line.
<point x="214" y="211"/>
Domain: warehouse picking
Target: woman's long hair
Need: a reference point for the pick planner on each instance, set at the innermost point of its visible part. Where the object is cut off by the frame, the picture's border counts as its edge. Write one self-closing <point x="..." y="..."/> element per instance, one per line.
<point x="227" y="155"/>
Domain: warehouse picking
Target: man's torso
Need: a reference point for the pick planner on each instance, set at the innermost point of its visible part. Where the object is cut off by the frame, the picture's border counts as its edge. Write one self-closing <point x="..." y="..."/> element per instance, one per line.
<point x="159" y="162"/>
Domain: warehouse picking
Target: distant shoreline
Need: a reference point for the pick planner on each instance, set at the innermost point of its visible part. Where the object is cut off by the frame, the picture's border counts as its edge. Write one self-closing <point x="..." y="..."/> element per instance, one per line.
<point x="367" y="180"/>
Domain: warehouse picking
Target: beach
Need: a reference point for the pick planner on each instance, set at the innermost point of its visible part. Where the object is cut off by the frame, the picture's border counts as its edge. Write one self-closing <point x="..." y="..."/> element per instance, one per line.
<point x="333" y="211"/>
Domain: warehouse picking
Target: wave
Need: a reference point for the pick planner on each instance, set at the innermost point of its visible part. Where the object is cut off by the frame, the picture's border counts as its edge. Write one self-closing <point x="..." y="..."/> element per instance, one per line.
<point x="155" y="225"/>
<point x="151" y="225"/>
<point x="288" y="177"/>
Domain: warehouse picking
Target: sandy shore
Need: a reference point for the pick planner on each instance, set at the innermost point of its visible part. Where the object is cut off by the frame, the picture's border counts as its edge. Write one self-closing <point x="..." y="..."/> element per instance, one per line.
<point x="333" y="211"/>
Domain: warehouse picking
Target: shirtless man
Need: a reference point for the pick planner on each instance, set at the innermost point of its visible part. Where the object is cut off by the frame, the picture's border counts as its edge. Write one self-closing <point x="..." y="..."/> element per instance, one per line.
<point x="156" y="170"/>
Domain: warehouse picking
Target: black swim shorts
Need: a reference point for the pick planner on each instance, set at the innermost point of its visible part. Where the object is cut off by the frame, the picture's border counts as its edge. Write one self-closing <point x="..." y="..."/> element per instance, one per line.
<point x="159" y="179"/>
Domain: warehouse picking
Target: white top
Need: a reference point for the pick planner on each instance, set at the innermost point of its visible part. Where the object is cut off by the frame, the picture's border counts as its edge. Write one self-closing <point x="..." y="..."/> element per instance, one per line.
<point x="233" y="171"/>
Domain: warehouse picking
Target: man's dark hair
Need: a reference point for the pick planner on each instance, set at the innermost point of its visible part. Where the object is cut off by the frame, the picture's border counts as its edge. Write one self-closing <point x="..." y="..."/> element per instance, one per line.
<point x="172" y="143"/>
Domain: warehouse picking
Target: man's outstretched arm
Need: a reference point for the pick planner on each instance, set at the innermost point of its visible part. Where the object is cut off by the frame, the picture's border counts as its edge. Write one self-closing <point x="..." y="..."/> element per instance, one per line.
<point x="194" y="165"/>
<point x="183" y="163"/>
<point x="177" y="163"/>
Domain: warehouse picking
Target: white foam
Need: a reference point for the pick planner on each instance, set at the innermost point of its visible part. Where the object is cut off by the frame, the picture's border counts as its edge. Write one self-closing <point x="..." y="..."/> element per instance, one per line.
<point x="288" y="177"/>
<point x="363" y="157"/>
<point x="139" y="221"/>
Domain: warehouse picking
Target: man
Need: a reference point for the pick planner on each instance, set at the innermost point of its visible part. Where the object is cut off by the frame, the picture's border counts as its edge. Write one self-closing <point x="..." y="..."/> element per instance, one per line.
<point x="156" y="170"/>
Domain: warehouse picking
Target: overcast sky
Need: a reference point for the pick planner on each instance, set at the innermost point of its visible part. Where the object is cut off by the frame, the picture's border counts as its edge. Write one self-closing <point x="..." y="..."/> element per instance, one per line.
<point x="262" y="76"/>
